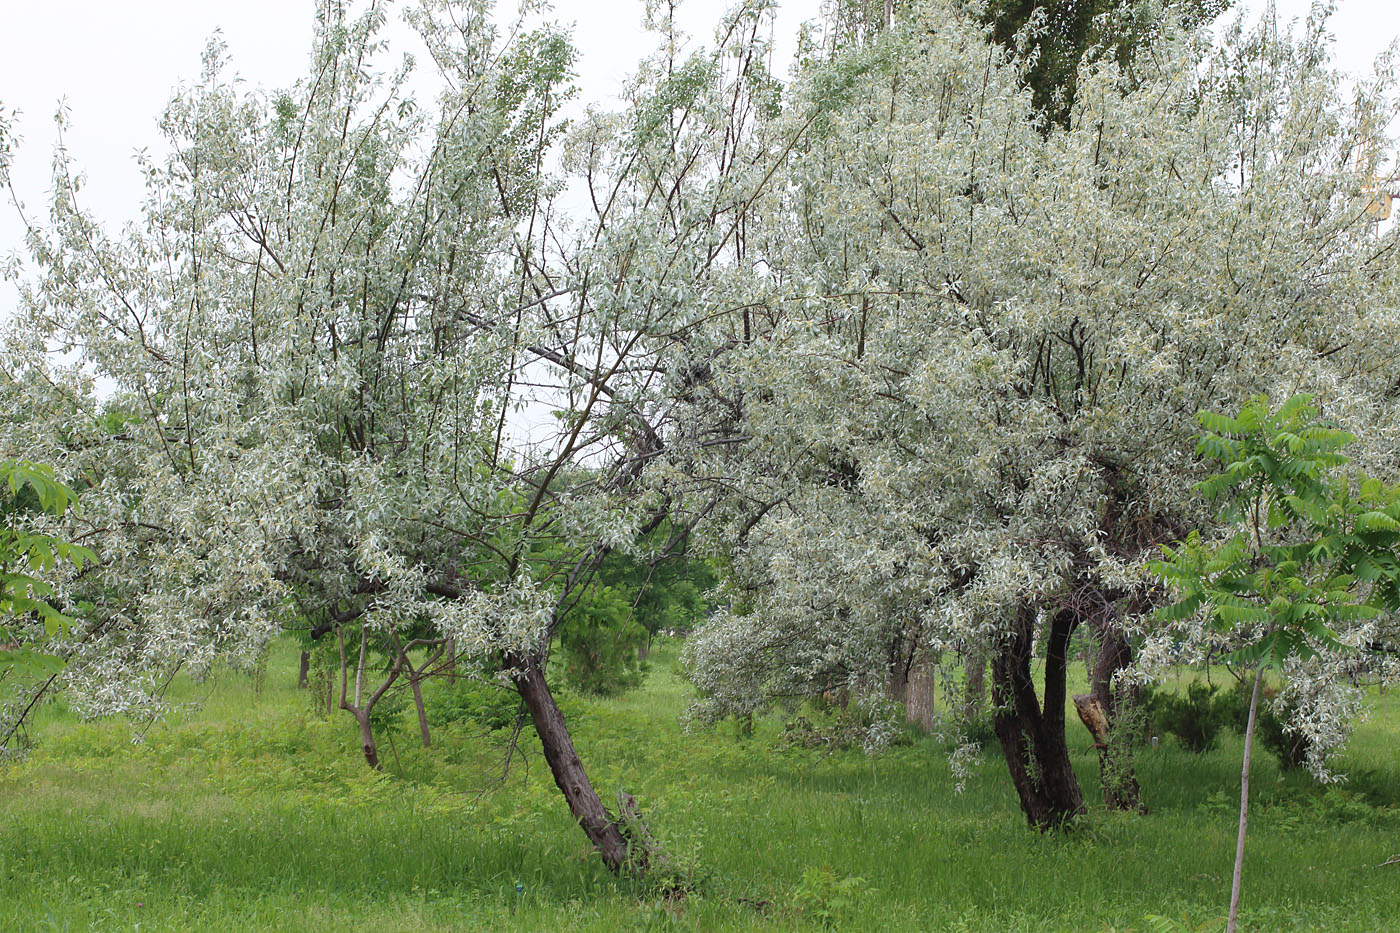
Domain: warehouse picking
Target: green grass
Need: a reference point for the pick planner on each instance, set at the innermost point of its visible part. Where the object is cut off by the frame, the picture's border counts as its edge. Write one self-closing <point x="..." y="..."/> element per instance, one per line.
<point x="256" y="812"/>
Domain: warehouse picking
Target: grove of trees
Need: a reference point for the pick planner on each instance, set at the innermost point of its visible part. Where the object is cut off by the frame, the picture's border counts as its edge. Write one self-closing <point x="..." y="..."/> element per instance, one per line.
<point x="908" y="348"/>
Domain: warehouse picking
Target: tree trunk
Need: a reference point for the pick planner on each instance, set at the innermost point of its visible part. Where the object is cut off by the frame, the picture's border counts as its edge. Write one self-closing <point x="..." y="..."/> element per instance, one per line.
<point x="1244" y="802"/>
<point x="920" y="695"/>
<point x="415" y="677"/>
<point x="362" y="706"/>
<point x="1107" y="711"/>
<point x="974" y="686"/>
<point x="305" y="669"/>
<point x="415" y="681"/>
<point x="903" y="648"/>
<point x="1033" y="738"/>
<point x="599" y="825"/>
<point x="367" y="739"/>
<point x="451" y="650"/>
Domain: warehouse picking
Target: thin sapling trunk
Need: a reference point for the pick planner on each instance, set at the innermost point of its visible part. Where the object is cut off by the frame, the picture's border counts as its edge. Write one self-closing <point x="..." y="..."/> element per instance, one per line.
<point x="1244" y="801"/>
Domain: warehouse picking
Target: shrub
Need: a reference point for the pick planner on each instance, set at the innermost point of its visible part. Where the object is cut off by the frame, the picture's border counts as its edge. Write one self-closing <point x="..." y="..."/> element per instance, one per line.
<point x="825" y="898"/>
<point x="488" y="705"/>
<point x="600" y="643"/>
<point x="1290" y="748"/>
<point x="1195" y="719"/>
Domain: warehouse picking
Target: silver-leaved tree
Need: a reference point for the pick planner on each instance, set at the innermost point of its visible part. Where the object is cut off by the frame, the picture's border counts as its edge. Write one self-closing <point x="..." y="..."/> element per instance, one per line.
<point x="324" y="332"/>
<point x="922" y="366"/>
<point x="318" y="335"/>
<point x="969" y="413"/>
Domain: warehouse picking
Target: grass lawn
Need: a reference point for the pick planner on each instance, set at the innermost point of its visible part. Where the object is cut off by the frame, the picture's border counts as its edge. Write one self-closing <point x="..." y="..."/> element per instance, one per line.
<point x="254" y="811"/>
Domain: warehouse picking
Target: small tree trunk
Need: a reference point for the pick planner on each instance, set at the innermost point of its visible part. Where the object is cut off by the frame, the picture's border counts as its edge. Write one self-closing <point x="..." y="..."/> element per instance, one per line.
<point x="415" y="681"/>
<point x="367" y="739"/>
<point x="1033" y="738"/>
<point x="644" y="649"/>
<point x="569" y="775"/>
<point x="920" y="695"/>
<point x="1107" y="712"/>
<point x="1244" y="802"/>
<point x="415" y="677"/>
<point x="362" y="706"/>
<point x="451" y="650"/>
<point x="305" y="669"/>
<point x="974" y="686"/>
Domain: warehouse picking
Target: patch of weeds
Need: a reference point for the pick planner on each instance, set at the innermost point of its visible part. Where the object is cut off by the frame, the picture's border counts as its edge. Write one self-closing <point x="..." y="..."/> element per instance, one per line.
<point x="833" y="728"/>
<point x="1218" y="804"/>
<point x="824" y="897"/>
<point x="1157" y="923"/>
<point x="488" y="705"/>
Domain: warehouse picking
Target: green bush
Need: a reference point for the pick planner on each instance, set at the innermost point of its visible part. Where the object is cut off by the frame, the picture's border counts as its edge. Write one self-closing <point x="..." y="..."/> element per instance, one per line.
<point x="834" y="727"/>
<point x="601" y="639"/>
<point x="1290" y="748"/>
<point x="1195" y="719"/>
<point x="825" y="898"/>
<point x="488" y="705"/>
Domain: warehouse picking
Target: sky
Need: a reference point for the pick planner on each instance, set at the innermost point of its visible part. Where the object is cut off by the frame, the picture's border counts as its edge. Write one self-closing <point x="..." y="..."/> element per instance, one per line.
<point x="115" y="64"/>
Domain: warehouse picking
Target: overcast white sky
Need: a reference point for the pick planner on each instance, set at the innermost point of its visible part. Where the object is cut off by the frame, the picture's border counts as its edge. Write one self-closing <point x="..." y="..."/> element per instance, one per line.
<point x="115" y="64"/>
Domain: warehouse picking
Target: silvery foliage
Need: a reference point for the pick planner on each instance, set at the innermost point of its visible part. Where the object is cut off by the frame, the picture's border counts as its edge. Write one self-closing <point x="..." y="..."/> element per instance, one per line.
<point x="671" y="186"/>
<point x="984" y="341"/>
<point x="316" y="337"/>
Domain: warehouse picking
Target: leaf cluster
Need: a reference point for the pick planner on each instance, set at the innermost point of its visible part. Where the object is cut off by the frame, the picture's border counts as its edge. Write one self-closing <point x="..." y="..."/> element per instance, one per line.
<point x="25" y="555"/>
<point x="1312" y="550"/>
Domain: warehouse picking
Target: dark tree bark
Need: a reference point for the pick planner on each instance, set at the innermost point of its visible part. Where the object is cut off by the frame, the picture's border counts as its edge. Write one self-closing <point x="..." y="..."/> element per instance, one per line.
<point x="1033" y="737"/>
<point x="903" y="647"/>
<point x="305" y="669"/>
<point x="598" y="824"/>
<point x="1107" y="711"/>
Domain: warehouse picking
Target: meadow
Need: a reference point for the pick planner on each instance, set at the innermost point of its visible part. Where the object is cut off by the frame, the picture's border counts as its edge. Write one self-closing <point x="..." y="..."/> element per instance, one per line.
<point x="250" y="809"/>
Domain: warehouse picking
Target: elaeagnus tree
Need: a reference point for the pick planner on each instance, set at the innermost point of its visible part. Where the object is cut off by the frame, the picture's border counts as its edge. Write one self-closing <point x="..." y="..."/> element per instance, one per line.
<point x="317" y="335"/>
<point x="332" y="341"/>
<point x="970" y="415"/>
<point x="919" y="365"/>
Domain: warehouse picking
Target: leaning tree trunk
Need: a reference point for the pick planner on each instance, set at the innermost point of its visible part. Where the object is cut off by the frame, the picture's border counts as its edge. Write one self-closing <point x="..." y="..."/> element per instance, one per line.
<point x="416" y="675"/>
<point x="1033" y="737"/>
<point x="367" y="744"/>
<point x="1108" y="711"/>
<point x="598" y="824"/>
